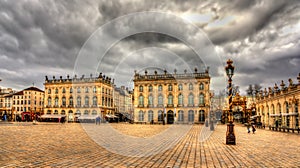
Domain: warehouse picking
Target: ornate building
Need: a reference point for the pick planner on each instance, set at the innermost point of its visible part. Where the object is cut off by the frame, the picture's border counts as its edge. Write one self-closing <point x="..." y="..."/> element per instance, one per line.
<point x="28" y="103"/>
<point x="279" y="106"/>
<point x="6" y="95"/>
<point x="123" y="101"/>
<point x="179" y="98"/>
<point x="76" y="97"/>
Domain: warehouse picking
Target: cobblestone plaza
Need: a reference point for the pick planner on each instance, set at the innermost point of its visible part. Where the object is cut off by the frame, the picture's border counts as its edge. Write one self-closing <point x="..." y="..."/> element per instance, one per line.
<point x="69" y="145"/>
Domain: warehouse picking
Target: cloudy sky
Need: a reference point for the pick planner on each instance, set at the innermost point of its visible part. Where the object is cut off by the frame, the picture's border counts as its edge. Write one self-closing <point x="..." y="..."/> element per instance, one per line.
<point x="56" y="38"/>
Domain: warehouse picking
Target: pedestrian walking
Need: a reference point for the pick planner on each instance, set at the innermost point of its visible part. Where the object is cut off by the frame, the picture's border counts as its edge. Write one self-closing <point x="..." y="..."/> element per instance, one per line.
<point x="248" y="127"/>
<point x="253" y="128"/>
<point x="98" y="120"/>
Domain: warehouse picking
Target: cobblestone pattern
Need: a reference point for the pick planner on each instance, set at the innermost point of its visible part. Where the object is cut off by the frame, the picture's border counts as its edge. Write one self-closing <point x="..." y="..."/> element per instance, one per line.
<point x="67" y="145"/>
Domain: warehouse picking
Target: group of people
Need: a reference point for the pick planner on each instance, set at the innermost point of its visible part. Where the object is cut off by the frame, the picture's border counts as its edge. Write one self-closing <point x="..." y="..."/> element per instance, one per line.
<point x="253" y="128"/>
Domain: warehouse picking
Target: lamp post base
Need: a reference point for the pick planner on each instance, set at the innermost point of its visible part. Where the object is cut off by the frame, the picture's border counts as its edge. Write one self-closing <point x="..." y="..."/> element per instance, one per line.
<point x="230" y="136"/>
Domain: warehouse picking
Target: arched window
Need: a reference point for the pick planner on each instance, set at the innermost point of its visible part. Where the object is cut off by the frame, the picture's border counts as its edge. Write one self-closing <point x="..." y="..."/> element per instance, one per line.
<point x="78" y="90"/>
<point x="94" y="112"/>
<point x="56" y="91"/>
<point x="94" y="89"/>
<point x="49" y="91"/>
<point x="170" y="99"/>
<point x="191" y="116"/>
<point x="159" y="115"/>
<point x="150" y="89"/>
<point x="191" y="99"/>
<point x="141" y="115"/>
<point x="71" y="90"/>
<point x="55" y="112"/>
<point x="201" y="116"/>
<point x="56" y="101"/>
<point x="160" y="100"/>
<point x="63" y="90"/>
<point x="63" y="112"/>
<point x="286" y="107"/>
<point x="190" y="86"/>
<point x="278" y="108"/>
<point x="49" y="101"/>
<point x="49" y="112"/>
<point x="180" y="99"/>
<point x="159" y="87"/>
<point x="201" y="86"/>
<point x="180" y="116"/>
<point x="201" y="99"/>
<point x="150" y="116"/>
<point x="170" y="87"/>
<point x="71" y="101"/>
<point x="95" y="101"/>
<point x="86" y="112"/>
<point x="64" y="101"/>
<point x="180" y="87"/>
<point x="86" y="90"/>
<point x="141" y="88"/>
<point x="78" y="101"/>
<point x="78" y="113"/>
<point x="296" y="107"/>
<point x="150" y="100"/>
<point x="86" y="100"/>
<point x="141" y="100"/>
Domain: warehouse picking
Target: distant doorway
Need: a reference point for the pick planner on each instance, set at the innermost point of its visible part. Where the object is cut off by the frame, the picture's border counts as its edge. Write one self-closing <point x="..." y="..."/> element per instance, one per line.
<point x="170" y="117"/>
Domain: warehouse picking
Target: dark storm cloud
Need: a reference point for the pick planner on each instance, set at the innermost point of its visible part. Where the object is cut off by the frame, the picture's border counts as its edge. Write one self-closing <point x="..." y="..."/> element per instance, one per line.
<point x="39" y="38"/>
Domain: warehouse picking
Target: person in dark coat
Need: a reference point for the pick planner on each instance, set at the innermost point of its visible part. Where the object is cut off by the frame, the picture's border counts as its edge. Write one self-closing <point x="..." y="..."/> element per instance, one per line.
<point x="253" y="128"/>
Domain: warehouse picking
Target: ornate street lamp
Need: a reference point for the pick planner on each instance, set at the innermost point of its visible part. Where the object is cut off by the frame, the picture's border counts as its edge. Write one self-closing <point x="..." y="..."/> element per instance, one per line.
<point x="230" y="136"/>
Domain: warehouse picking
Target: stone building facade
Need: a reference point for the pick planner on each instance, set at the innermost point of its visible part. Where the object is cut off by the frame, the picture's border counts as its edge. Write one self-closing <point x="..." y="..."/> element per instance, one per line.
<point x="279" y="105"/>
<point x="76" y="97"/>
<point x="171" y="98"/>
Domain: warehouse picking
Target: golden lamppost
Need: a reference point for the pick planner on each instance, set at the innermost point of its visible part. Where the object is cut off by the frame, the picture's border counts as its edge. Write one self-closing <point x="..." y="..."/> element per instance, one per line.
<point x="230" y="136"/>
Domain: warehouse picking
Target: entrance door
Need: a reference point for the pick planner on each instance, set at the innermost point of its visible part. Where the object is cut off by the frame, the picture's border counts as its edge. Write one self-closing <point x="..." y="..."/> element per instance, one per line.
<point x="170" y="117"/>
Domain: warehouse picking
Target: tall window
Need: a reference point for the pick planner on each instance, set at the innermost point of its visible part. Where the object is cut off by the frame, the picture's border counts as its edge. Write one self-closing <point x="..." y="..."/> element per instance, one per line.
<point x="56" y="101"/>
<point x="160" y="100"/>
<point x="78" y="101"/>
<point x="180" y="99"/>
<point x="180" y="87"/>
<point x="78" y="90"/>
<point x="94" y="112"/>
<point x="71" y="90"/>
<point x="86" y="90"/>
<point x="170" y="87"/>
<point x="201" y="86"/>
<point x="159" y="115"/>
<point x="286" y="107"/>
<point x="201" y="99"/>
<point x="170" y="99"/>
<point x="191" y="116"/>
<point x="296" y="107"/>
<point x="141" y="88"/>
<point x="191" y="99"/>
<point x="95" y="100"/>
<point x="71" y="101"/>
<point x="56" y="91"/>
<point x="150" y="100"/>
<point x="49" y="92"/>
<point x="63" y="90"/>
<point x="190" y="86"/>
<point x="141" y="100"/>
<point x="94" y="89"/>
<point x="86" y="100"/>
<point x="160" y="88"/>
<point x="63" y="112"/>
<point x="49" y="101"/>
<point x="150" y="116"/>
<point x="141" y="115"/>
<point x="86" y="112"/>
<point x="180" y="115"/>
<point x="150" y="89"/>
<point x="63" y="101"/>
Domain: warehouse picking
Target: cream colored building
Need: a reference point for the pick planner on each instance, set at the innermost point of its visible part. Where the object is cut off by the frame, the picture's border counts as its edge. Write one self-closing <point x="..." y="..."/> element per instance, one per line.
<point x="78" y="97"/>
<point x="279" y="104"/>
<point x="179" y="98"/>
<point x="28" y="103"/>
<point x="6" y="102"/>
